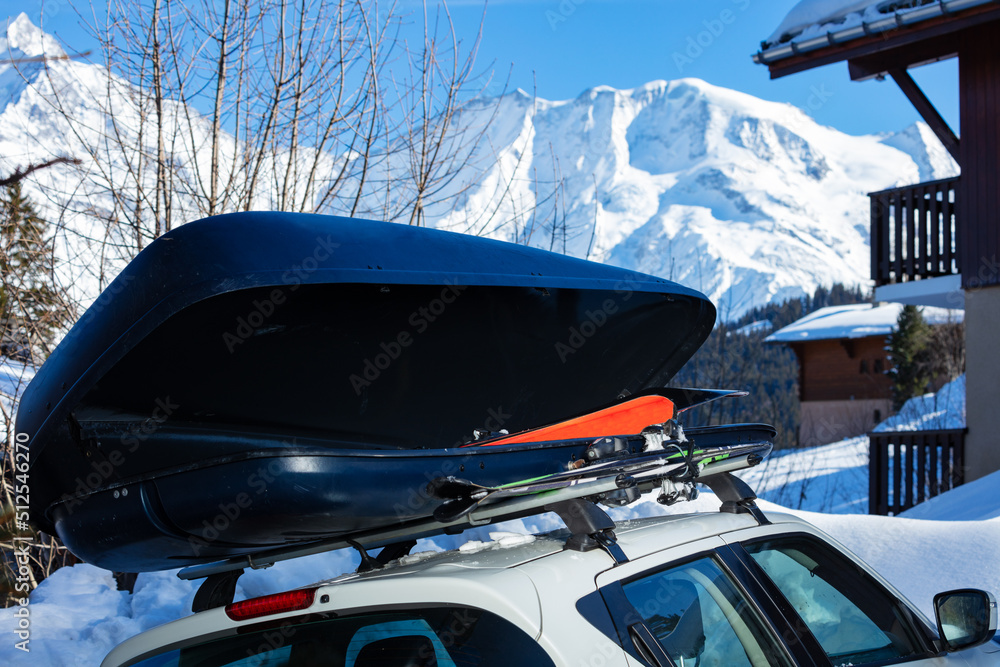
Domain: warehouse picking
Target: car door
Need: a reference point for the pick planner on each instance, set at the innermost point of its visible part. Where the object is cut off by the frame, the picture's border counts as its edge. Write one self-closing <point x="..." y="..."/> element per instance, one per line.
<point x="834" y="602"/>
<point x="697" y="605"/>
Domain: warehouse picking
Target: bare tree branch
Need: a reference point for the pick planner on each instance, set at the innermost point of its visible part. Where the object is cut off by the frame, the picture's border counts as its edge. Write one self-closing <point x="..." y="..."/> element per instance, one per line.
<point x="21" y="173"/>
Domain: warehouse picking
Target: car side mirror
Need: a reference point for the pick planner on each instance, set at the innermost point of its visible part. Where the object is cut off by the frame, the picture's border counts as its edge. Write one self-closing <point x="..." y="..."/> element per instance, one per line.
<point x="965" y="618"/>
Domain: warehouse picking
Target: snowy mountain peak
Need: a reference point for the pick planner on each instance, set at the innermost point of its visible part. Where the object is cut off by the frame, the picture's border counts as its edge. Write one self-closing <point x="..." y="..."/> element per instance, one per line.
<point x="744" y="199"/>
<point x="931" y="157"/>
<point x="23" y="39"/>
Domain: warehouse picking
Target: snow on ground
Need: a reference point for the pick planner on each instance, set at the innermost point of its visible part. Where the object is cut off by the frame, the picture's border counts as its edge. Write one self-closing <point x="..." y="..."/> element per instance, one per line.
<point x="752" y="328"/>
<point x="937" y="411"/>
<point x="14" y="378"/>
<point x="949" y="542"/>
<point x="921" y="557"/>
<point x="976" y="501"/>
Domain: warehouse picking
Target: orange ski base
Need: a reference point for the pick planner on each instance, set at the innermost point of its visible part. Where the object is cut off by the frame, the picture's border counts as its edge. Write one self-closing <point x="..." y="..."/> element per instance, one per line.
<point x="626" y="418"/>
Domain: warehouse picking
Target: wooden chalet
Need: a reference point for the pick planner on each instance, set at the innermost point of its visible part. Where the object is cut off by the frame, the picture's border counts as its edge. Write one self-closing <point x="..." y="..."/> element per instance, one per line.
<point x="844" y="390"/>
<point x="934" y="243"/>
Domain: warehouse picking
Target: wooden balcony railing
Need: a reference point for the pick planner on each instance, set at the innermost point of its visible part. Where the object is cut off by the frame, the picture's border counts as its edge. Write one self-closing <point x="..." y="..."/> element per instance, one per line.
<point x="908" y="467"/>
<point x="914" y="232"/>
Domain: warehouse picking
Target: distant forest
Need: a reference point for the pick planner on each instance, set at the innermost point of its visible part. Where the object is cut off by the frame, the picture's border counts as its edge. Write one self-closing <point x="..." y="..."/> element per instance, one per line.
<point x="735" y="356"/>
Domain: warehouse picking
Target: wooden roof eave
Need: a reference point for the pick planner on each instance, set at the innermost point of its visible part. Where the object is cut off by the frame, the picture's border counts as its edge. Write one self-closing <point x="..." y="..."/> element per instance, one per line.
<point x="878" y="53"/>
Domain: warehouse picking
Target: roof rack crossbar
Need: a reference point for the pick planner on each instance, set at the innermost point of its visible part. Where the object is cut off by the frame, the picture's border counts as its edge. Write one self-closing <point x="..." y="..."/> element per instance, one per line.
<point x="509" y="509"/>
<point x="589" y="526"/>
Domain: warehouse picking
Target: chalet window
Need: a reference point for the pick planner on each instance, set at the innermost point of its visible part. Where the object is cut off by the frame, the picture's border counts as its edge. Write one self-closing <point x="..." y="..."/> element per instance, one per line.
<point x="864" y="366"/>
<point x="878" y="366"/>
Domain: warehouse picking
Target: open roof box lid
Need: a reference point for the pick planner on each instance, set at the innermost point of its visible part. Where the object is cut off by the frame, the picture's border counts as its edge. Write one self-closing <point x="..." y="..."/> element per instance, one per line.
<point x="260" y="339"/>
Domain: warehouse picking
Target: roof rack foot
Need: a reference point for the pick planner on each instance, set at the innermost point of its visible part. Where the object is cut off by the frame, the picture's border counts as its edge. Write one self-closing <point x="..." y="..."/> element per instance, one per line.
<point x="217" y="590"/>
<point x="367" y="562"/>
<point x="590" y="527"/>
<point x="394" y="551"/>
<point x="737" y="497"/>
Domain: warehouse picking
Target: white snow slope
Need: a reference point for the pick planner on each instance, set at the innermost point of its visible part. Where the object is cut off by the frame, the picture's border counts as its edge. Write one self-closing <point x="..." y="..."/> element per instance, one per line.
<point x="743" y="199"/>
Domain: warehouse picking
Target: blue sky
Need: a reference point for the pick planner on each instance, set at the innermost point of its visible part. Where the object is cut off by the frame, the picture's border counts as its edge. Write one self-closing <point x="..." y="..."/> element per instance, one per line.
<point x="560" y="48"/>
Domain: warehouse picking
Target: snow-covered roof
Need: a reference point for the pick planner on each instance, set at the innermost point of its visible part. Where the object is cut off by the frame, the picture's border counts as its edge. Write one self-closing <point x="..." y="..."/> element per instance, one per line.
<point x="814" y="24"/>
<point x="858" y="320"/>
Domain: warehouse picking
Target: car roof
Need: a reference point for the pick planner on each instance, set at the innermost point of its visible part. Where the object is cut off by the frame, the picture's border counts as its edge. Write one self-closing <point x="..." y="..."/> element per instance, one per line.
<point x="489" y="575"/>
<point x="637" y="537"/>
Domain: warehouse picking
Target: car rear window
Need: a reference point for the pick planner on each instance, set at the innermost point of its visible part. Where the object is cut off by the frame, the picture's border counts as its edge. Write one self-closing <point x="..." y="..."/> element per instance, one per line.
<point x="436" y="637"/>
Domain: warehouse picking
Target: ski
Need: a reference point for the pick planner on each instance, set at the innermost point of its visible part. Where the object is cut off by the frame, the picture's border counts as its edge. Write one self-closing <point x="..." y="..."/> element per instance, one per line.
<point x="628" y="416"/>
<point x="661" y="453"/>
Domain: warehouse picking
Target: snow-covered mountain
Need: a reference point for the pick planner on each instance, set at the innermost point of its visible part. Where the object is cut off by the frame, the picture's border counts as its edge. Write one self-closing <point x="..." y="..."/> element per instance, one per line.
<point x="744" y="199"/>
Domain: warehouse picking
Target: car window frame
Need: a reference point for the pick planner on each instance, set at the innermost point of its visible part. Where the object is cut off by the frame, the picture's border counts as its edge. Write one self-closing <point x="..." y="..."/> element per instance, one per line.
<point x="625" y="616"/>
<point x="926" y="638"/>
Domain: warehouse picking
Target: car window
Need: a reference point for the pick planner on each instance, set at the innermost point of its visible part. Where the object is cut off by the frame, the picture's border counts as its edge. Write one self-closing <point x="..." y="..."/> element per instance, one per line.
<point x="437" y="637"/>
<point x="700" y="617"/>
<point x="851" y="615"/>
<point x="381" y="643"/>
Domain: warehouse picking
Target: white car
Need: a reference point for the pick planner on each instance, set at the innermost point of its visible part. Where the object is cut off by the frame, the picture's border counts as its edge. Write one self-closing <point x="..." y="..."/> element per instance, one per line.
<point x="698" y="589"/>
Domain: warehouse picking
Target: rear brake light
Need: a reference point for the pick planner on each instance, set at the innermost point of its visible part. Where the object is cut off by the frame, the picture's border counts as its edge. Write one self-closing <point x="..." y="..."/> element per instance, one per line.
<point x="278" y="603"/>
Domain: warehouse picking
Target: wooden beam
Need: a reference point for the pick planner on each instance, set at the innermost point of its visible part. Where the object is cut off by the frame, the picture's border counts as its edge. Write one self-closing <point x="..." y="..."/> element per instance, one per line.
<point x="931" y="50"/>
<point x="926" y="110"/>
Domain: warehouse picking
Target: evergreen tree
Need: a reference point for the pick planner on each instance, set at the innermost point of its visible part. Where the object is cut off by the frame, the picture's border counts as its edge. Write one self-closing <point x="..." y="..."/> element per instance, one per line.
<point x="31" y="307"/>
<point x="32" y="311"/>
<point x="738" y="358"/>
<point x="910" y="354"/>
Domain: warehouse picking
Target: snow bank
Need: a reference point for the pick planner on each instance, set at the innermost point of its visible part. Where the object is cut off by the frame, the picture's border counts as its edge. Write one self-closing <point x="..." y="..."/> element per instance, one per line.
<point x="973" y="501"/>
<point x="920" y="558"/>
<point x="944" y="409"/>
<point x="14" y="378"/>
